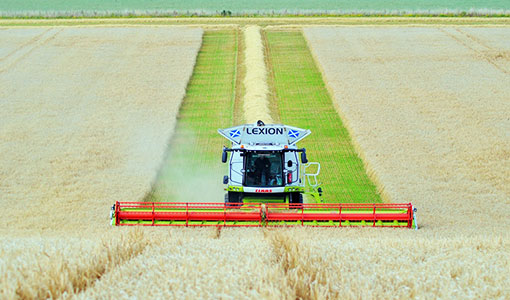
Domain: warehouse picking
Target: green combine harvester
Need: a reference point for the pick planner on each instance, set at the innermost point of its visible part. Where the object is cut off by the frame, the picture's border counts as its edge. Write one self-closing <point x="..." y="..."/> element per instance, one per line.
<point x="264" y="165"/>
<point x="269" y="183"/>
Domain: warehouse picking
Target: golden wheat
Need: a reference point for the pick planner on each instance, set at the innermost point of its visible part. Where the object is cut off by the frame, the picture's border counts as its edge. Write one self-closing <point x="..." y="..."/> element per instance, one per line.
<point x="381" y="264"/>
<point x="198" y="263"/>
<point x="431" y="126"/>
<point x="86" y="115"/>
<point x="428" y="107"/>
<point x="38" y="268"/>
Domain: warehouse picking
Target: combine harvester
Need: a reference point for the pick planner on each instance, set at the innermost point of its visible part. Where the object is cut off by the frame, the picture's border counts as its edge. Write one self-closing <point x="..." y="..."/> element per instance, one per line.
<point x="266" y="182"/>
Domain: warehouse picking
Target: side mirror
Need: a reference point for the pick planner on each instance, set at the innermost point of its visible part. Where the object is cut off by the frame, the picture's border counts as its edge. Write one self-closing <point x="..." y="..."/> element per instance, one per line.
<point x="224" y="156"/>
<point x="304" y="159"/>
<point x="289" y="163"/>
<point x="225" y="179"/>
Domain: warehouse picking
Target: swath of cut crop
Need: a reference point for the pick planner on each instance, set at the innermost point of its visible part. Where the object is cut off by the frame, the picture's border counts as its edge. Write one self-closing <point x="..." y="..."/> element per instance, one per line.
<point x="255" y="101"/>
<point x="84" y="121"/>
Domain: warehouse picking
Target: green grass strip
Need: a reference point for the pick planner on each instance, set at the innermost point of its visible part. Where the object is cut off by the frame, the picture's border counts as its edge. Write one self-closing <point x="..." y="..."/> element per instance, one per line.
<point x="304" y="101"/>
<point x="193" y="160"/>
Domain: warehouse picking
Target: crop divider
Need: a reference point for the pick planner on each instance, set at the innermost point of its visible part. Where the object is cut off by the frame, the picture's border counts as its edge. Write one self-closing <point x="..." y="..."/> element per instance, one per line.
<point x="374" y="216"/>
<point x="302" y="214"/>
<point x="340" y="215"/>
<point x="153" y="216"/>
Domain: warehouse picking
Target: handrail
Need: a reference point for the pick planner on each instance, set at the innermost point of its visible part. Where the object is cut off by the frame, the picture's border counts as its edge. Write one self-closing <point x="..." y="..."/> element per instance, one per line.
<point x="309" y="176"/>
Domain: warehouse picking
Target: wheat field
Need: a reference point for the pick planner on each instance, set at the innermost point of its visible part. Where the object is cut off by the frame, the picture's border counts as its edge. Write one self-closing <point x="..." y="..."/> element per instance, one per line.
<point x="85" y="118"/>
<point x="429" y="110"/>
<point x="86" y="115"/>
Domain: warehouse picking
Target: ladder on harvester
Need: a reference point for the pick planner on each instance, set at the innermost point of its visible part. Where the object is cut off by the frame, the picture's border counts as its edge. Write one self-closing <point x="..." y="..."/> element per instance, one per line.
<point x="313" y="186"/>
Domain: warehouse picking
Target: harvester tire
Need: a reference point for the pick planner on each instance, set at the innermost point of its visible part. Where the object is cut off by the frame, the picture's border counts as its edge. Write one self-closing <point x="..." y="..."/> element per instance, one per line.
<point x="295" y="200"/>
<point x="233" y="197"/>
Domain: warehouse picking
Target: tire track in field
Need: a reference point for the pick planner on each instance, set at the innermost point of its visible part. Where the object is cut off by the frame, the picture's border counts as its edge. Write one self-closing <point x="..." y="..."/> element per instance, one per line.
<point x="480" y="42"/>
<point x="474" y="39"/>
<point x="119" y="253"/>
<point x="303" y="277"/>
<point x="493" y="53"/>
<point x="20" y="47"/>
<point x="66" y="274"/>
<point x="25" y="51"/>
<point x="476" y="46"/>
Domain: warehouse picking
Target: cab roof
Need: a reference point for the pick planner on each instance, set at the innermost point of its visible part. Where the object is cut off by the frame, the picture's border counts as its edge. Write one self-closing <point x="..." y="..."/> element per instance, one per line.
<point x="268" y="136"/>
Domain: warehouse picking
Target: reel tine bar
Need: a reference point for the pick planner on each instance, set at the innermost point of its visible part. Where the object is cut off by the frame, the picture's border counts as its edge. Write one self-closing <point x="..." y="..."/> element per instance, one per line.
<point x="268" y="214"/>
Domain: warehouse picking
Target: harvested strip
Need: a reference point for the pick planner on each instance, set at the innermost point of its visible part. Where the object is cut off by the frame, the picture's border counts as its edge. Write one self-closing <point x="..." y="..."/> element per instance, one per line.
<point x="84" y="121"/>
<point x="255" y="81"/>
<point x="304" y="101"/>
<point x="192" y="163"/>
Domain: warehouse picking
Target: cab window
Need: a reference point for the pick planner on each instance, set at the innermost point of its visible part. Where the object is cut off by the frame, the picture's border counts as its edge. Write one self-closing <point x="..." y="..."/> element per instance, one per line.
<point x="263" y="169"/>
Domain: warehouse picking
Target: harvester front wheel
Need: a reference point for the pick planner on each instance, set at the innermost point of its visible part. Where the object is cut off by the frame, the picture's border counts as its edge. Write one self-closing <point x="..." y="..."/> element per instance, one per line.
<point x="233" y="197"/>
<point x="295" y="200"/>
